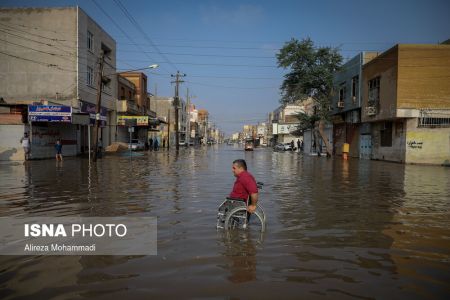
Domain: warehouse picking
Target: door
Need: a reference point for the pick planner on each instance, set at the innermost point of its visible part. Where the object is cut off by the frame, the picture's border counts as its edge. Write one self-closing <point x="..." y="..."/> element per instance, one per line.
<point x="365" y="146"/>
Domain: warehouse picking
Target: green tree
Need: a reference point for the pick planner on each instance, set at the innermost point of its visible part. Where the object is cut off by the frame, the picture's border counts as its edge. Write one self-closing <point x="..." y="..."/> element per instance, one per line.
<point x="310" y="75"/>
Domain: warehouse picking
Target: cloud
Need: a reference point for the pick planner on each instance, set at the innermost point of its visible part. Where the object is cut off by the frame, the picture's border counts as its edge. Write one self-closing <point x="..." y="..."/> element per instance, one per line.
<point x="244" y="14"/>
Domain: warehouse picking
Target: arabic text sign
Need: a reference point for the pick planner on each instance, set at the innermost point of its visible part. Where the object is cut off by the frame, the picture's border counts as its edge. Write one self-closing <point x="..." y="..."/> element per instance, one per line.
<point x="286" y="128"/>
<point x="140" y="120"/>
<point x="50" y="113"/>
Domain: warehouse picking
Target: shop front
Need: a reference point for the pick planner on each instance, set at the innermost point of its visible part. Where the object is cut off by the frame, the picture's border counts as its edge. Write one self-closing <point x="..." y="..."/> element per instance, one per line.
<point x="48" y="123"/>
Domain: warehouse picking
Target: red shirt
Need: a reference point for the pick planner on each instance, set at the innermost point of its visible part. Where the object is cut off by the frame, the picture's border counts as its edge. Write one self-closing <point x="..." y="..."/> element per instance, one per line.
<point x="244" y="186"/>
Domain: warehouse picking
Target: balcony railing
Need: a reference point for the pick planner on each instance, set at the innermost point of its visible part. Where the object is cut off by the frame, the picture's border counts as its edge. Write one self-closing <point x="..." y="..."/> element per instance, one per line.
<point x="127" y="106"/>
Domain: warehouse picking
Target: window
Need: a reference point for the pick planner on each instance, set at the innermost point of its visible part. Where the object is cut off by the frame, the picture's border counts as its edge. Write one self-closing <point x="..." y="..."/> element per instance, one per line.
<point x="122" y="93"/>
<point x="106" y="51"/>
<point x="90" y="76"/>
<point x="342" y="92"/>
<point x="355" y="88"/>
<point x="90" y="41"/>
<point x="434" y="122"/>
<point x="374" y="91"/>
<point x="386" y="134"/>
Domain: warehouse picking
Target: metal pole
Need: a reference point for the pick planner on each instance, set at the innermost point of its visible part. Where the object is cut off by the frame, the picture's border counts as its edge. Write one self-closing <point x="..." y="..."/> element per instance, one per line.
<point x="31" y="140"/>
<point x="176" y="104"/>
<point x="99" y="101"/>
<point x="177" y="133"/>
<point x="131" y="153"/>
<point x="188" y="121"/>
<point x="89" y="141"/>
<point x="168" y="130"/>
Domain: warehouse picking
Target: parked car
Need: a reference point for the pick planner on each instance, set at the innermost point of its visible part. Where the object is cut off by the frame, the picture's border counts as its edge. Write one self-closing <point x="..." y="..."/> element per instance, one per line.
<point x="249" y="145"/>
<point x="136" y="145"/>
<point x="283" y="147"/>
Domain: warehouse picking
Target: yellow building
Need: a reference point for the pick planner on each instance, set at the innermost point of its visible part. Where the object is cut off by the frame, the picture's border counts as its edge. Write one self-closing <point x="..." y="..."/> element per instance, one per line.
<point x="406" y="100"/>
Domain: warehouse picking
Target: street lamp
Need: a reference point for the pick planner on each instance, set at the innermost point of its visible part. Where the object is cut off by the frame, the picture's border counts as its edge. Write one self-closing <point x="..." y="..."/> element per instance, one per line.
<point x="99" y="97"/>
<point x="154" y="66"/>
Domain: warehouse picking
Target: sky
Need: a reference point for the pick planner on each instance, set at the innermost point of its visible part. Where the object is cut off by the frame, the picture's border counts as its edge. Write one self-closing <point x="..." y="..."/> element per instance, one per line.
<point x="227" y="49"/>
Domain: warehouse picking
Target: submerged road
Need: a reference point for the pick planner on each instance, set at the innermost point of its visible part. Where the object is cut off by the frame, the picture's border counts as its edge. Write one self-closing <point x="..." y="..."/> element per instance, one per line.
<point x="335" y="229"/>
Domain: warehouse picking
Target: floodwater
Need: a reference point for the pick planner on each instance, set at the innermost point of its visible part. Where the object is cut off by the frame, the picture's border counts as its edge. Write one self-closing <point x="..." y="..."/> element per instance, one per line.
<point x="335" y="229"/>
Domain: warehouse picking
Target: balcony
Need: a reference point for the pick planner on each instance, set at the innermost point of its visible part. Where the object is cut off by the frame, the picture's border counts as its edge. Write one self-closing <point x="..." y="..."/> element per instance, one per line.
<point x="127" y="106"/>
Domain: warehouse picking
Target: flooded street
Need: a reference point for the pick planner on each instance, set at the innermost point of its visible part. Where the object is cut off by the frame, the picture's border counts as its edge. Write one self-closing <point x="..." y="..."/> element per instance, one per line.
<point x="335" y="229"/>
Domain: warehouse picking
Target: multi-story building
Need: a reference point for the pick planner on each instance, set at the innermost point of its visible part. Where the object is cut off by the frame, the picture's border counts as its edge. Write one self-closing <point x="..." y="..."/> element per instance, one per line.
<point x="140" y="81"/>
<point x="284" y="123"/>
<point x="406" y="101"/>
<point x="346" y="106"/>
<point x="126" y="107"/>
<point x="261" y="134"/>
<point x="193" y="128"/>
<point x="165" y="109"/>
<point x="203" y="124"/>
<point x="50" y="60"/>
<point x="139" y="108"/>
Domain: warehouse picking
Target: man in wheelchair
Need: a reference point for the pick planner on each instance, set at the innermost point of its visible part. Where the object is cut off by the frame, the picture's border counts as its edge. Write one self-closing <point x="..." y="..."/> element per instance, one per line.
<point x="245" y="187"/>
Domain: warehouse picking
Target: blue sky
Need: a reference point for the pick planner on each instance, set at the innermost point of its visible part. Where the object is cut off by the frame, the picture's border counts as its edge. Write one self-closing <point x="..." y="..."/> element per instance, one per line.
<point x="227" y="48"/>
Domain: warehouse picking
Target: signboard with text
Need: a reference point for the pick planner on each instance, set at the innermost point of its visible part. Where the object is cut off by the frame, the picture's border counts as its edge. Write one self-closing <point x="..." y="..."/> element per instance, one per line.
<point x="91" y="109"/>
<point x="140" y="120"/>
<point x="286" y="128"/>
<point x="50" y="113"/>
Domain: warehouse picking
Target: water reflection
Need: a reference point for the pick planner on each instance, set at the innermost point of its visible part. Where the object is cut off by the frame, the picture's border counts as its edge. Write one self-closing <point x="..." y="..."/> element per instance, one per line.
<point x="240" y="250"/>
<point x="335" y="229"/>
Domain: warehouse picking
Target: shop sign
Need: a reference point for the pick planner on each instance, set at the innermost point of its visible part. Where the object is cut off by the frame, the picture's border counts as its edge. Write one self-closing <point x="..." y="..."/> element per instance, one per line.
<point x="91" y="109"/>
<point x="50" y="113"/>
<point x="140" y="120"/>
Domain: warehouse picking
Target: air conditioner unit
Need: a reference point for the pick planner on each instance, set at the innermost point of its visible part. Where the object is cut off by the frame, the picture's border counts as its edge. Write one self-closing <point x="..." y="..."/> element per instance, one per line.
<point x="340" y="104"/>
<point x="371" y="110"/>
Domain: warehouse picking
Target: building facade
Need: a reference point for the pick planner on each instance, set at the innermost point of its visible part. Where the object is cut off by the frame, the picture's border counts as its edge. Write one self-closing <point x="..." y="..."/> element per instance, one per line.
<point x="51" y="58"/>
<point x="165" y="109"/>
<point x="346" y="106"/>
<point x="406" y="101"/>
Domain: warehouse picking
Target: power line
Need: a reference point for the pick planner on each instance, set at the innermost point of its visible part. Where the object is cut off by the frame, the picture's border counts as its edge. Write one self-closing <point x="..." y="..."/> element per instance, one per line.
<point x="29" y="33"/>
<point x="206" y="55"/>
<point x="121" y="30"/>
<point x="233" y="87"/>
<point x="139" y="28"/>
<point x="38" y="42"/>
<point x="37" y="62"/>
<point x="45" y="52"/>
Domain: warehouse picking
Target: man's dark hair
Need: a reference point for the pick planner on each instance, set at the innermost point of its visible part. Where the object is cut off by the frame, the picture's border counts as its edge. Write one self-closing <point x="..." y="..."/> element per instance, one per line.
<point x="241" y="163"/>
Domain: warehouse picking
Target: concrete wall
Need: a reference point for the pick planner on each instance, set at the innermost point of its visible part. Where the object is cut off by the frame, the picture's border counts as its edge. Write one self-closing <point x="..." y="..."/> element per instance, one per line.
<point x="47" y="37"/>
<point x="427" y="145"/>
<point x="396" y="152"/>
<point x="10" y="146"/>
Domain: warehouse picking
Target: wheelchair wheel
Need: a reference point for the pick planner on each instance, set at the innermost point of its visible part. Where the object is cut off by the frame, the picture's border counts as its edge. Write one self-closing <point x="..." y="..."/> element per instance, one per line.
<point x="238" y="219"/>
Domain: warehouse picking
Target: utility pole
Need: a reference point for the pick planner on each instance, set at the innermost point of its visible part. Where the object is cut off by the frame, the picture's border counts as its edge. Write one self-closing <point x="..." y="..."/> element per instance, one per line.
<point x="188" y="122"/>
<point x="99" y="101"/>
<point x="177" y="106"/>
<point x="168" y="129"/>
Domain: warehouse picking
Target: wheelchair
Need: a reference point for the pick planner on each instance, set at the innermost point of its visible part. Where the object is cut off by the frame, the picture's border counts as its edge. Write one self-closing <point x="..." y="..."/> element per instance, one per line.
<point x="233" y="214"/>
